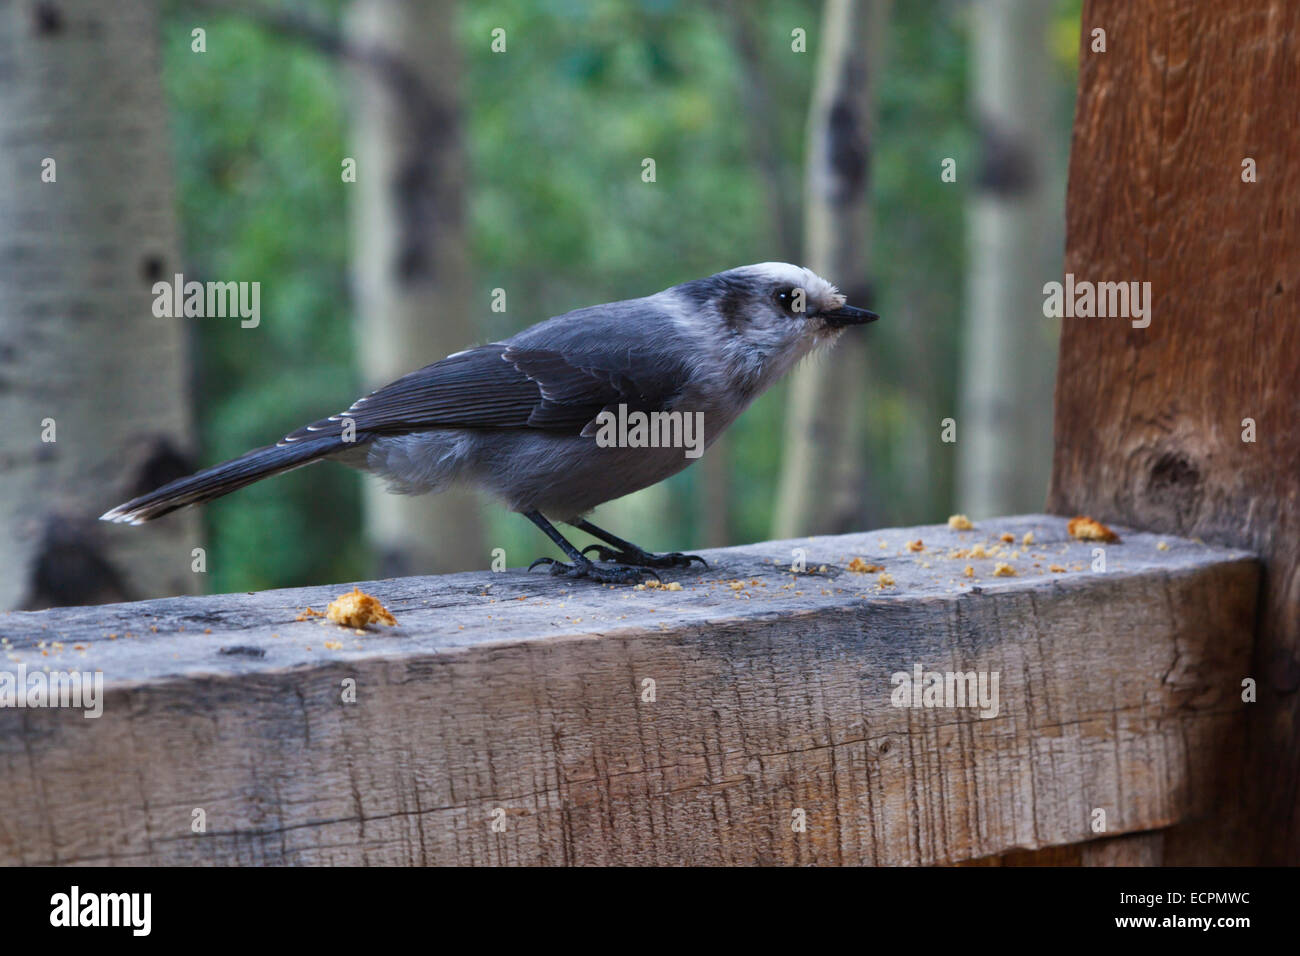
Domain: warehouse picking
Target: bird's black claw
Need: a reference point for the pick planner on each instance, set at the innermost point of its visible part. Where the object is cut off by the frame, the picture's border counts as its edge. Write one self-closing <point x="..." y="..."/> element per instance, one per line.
<point x="644" y="559"/>
<point x="604" y="574"/>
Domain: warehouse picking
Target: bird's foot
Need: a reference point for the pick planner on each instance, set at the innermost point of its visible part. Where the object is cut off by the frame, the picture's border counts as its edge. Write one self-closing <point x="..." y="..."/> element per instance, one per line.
<point x="605" y="574"/>
<point x="644" y="559"/>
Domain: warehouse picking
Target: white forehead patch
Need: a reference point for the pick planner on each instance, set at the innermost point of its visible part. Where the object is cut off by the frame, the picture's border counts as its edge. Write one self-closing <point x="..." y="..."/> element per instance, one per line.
<point x="818" y="289"/>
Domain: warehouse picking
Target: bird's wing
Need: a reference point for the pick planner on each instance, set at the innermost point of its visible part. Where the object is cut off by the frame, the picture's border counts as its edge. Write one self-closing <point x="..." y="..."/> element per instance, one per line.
<point x="508" y="386"/>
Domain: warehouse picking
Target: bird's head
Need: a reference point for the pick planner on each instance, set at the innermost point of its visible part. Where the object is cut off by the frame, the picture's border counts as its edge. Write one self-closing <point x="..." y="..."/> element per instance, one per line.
<point x="775" y="304"/>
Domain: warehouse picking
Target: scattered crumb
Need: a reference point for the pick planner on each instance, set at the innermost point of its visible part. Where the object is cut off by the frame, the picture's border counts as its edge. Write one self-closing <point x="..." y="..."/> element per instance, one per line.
<point x="977" y="551"/>
<point x="333" y="645"/>
<point x="960" y="523"/>
<point x="886" y="580"/>
<point x="1007" y="536"/>
<point x="916" y="545"/>
<point x="1088" y="529"/>
<point x="969" y="571"/>
<point x="309" y="613"/>
<point x="1028" y="539"/>
<point x="357" y="609"/>
<point x="1162" y="546"/>
<point x="1003" y="570"/>
<point x="861" y="567"/>
<point x="1056" y="569"/>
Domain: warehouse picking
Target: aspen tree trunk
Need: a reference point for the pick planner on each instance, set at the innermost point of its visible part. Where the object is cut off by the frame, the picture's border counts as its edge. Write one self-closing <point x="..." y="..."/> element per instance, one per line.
<point x="411" y="264"/>
<point x="83" y="360"/>
<point x="1004" y="431"/>
<point x="824" y="473"/>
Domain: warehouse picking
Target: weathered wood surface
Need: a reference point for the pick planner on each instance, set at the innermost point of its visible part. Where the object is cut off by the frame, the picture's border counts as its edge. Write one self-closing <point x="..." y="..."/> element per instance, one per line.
<point x="1129" y="849"/>
<point x="520" y="696"/>
<point x="1151" y="422"/>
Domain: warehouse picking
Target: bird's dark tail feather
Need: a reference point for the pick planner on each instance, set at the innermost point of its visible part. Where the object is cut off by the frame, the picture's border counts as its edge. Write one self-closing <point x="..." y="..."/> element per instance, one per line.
<point x="222" y="479"/>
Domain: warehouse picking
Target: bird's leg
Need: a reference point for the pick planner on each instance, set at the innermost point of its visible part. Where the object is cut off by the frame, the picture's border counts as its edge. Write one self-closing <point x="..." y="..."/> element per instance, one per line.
<point x="582" y="566"/>
<point x="625" y="552"/>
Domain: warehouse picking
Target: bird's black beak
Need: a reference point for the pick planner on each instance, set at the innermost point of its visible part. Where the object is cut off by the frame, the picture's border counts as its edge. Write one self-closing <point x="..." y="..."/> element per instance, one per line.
<point x="848" y="315"/>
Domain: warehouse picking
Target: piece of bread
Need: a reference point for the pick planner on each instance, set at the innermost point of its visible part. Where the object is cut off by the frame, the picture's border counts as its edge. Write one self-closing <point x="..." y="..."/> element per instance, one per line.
<point x="1089" y="529"/>
<point x="357" y="609"/>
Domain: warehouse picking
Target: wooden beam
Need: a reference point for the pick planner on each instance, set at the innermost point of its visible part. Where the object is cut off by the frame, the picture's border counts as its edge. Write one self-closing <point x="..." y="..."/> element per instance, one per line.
<point x="523" y="700"/>
<point x="1188" y="425"/>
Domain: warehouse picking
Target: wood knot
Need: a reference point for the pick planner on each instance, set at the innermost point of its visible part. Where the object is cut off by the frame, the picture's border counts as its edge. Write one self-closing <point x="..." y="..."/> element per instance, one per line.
<point x="151" y="268"/>
<point x="155" y="462"/>
<point x="1173" y="471"/>
<point x="47" y="18"/>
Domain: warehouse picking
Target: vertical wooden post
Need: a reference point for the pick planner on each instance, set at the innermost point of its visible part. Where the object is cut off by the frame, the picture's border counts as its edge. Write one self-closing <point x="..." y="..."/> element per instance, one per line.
<point x="1189" y="425"/>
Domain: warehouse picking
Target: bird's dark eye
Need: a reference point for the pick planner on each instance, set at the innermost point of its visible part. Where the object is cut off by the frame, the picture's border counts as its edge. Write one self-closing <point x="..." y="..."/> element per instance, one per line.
<point x="792" y="300"/>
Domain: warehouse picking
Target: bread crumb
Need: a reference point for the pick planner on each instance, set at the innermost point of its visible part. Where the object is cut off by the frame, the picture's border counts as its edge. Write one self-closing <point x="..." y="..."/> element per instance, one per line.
<point x="960" y="523"/>
<point x="333" y="645"/>
<point x="977" y="551"/>
<point x="916" y="545"/>
<point x="1088" y="529"/>
<point x="886" y="580"/>
<point x="309" y="613"/>
<point x="861" y="567"/>
<point x="1028" y="539"/>
<point x="357" y="609"/>
<point x="1007" y="536"/>
<point x="1056" y="569"/>
<point x="1162" y="546"/>
<point x="1003" y="570"/>
<point x="969" y="571"/>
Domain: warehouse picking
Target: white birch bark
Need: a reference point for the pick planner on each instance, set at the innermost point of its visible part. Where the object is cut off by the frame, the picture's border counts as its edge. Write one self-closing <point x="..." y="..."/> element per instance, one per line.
<point x="80" y="348"/>
<point x="410" y="260"/>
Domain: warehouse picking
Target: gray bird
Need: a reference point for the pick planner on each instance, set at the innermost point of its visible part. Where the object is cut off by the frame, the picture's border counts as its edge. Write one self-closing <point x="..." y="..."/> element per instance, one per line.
<point x="547" y="419"/>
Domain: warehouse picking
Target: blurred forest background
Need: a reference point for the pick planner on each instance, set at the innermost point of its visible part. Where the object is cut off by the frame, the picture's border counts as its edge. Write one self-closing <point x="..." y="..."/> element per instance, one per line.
<point x="522" y="170"/>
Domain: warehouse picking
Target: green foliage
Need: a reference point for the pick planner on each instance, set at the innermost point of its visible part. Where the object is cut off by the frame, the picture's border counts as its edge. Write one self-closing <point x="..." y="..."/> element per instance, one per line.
<point x="259" y="129"/>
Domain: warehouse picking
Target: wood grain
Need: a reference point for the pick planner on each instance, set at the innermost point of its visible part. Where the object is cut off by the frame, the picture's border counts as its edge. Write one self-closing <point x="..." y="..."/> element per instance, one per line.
<point x="1150" y="422"/>
<point x="521" y="696"/>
